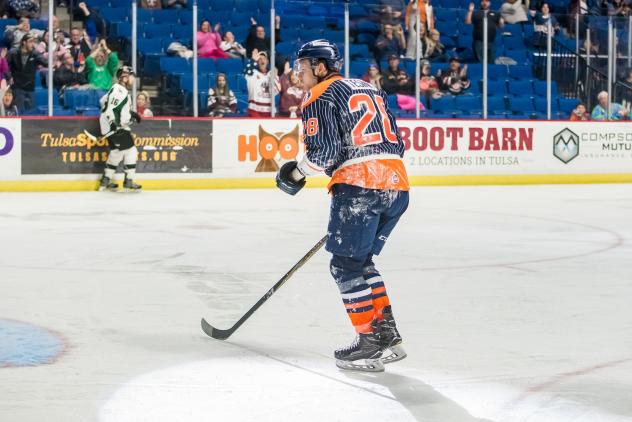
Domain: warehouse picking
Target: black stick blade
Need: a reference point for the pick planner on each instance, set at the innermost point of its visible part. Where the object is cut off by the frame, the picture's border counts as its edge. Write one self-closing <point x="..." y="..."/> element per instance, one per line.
<point x="213" y="332"/>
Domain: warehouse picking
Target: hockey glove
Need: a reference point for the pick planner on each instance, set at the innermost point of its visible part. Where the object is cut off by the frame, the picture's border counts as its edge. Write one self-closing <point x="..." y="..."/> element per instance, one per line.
<point x="136" y="116"/>
<point x="286" y="182"/>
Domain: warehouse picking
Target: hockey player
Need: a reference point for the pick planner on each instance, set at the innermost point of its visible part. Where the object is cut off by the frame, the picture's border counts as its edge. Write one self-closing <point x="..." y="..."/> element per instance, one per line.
<point x="116" y="117"/>
<point x="351" y="136"/>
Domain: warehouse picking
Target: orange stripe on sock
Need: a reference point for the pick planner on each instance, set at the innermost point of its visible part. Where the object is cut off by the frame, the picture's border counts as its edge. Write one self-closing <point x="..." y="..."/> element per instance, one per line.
<point x="358" y="304"/>
<point x="362" y="321"/>
<point x="378" y="290"/>
<point x="378" y="306"/>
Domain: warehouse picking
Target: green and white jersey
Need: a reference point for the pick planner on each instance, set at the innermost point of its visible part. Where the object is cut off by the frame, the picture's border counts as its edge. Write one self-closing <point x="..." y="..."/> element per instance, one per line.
<point x="115" y="110"/>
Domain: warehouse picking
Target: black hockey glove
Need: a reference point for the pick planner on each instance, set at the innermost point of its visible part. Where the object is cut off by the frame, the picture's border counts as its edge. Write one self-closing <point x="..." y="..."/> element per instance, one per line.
<point x="286" y="182"/>
<point x="136" y="116"/>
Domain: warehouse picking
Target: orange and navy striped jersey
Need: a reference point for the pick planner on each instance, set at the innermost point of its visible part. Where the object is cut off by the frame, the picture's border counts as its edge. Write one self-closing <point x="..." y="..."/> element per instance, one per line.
<point x="351" y="135"/>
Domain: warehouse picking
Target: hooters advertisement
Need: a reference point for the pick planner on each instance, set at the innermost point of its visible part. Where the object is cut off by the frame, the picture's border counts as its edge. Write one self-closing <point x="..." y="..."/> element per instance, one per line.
<point x="10" y="135"/>
<point x="255" y="147"/>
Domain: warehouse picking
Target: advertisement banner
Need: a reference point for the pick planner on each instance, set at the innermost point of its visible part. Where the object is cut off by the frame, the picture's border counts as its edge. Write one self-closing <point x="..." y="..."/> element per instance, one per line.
<point x="164" y="146"/>
<point x="516" y="147"/>
<point x="9" y="148"/>
<point x="255" y="147"/>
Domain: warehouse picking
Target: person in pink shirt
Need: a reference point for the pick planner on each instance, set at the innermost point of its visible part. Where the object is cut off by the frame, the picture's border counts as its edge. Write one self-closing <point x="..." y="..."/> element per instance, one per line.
<point x="208" y="42"/>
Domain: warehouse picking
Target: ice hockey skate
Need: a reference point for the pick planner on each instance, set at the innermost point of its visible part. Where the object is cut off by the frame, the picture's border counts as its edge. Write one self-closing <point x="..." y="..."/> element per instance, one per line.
<point x="130" y="186"/>
<point x="362" y="355"/>
<point x="107" y="184"/>
<point x="390" y="339"/>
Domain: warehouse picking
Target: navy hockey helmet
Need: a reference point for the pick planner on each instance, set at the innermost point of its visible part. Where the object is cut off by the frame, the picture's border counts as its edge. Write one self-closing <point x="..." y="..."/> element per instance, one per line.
<point x="124" y="70"/>
<point x="321" y="50"/>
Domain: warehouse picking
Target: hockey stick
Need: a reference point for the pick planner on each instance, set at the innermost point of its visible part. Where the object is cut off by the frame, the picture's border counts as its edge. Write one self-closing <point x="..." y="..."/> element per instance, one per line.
<point x="224" y="334"/>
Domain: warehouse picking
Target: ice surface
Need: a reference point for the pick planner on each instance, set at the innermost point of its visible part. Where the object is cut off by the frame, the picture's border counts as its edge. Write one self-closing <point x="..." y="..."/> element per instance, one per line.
<point x="514" y="304"/>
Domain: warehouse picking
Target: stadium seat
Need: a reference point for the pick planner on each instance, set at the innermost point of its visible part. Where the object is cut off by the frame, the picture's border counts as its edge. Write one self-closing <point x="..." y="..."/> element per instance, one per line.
<point x="118" y="14"/>
<point x="539" y="87"/>
<point x="521" y="88"/>
<point x="175" y="65"/>
<point x="157" y="30"/>
<point x="495" y="87"/>
<point x="229" y="65"/>
<point x="496" y="105"/>
<point x="443" y="104"/>
<point x="566" y="105"/>
<point x="521" y="105"/>
<point x="520" y="72"/>
<point x="166" y="16"/>
<point x="469" y="103"/>
<point x="358" y="51"/>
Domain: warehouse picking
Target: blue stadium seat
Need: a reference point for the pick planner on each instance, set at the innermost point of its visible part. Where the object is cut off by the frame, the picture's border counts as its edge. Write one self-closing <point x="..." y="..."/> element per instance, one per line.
<point x="443" y="104"/>
<point x="121" y="3"/>
<point x="358" y="51"/>
<point x="496" y="105"/>
<point x="229" y="65"/>
<point x="286" y="48"/>
<point x="247" y="6"/>
<point x="39" y="24"/>
<point x="464" y="41"/>
<point x="181" y="32"/>
<point x="495" y="87"/>
<point x="118" y="14"/>
<point x="521" y="88"/>
<point x="366" y="38"/>
<point x="157" y="30"/>
<point x="358" y="68"/>
<point x="186" y="82"/>
<point x="515" y="29"/>
<point x="513" y="43"/>
<point x="175" y="65"/>
<point x="145" y="15"/>
<point x="150" y="46"/>
<point x="446" y="15"/>
<point x="223" y="5"/>
<point x="74" y="98"/>
<point x="566" y="105"/>
<point x="520" y="72"/>
<point x="522" y="57"/>
<point x="167" y="16"/>
<point x="292" y="21"/>
<point x="466" y="30"/>
<point x="539" y="88"/>
<point x="240" y="19"/>
<point x="448" y="28"/>
<point x="208" y="66"/>
<point x="497" y="71"/>
<point x="520" y="105"/>
<point x="41" y="97"/>
<point x="469" y="103"/>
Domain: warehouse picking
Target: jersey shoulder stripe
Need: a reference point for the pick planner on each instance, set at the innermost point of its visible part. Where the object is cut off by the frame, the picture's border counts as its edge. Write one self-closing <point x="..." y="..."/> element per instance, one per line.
<point x="318" y="90"/>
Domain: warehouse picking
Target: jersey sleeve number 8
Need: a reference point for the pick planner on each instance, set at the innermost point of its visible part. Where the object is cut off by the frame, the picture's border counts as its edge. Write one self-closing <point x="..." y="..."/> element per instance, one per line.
<point x="358" y="134"/>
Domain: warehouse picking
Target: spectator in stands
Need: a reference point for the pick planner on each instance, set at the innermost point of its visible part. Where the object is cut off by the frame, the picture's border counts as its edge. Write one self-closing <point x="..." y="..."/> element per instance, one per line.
<point x="101" y="66"/>
<point x="390" y="12"/>
<point x="5" y="72"/>
<point x="494" y="20"/>
<point x="454" y="79"/>
<point x="618" y="8"/>
<point x="396" y="80"/>
<point x="257" y="39"/>
<point x="426" y="20"/>
<point x="150" y="4"/>
<point x="428" y="85"/>
<point x="69" y="74"/>
<point x="221" y="99"/>
<point x="24" y="8"/>
<point x="13" y="33"/>
<point x="143" y="104"/>
<point x="79" y="45"/>
<point x="578" y="8"/>
<point x="208" y="42"/>
<point x="600" y="112"/>
<point x="291" y="94"/>
<point x="513" y="11"/>
<point x="432" y="49"/>
<point x="373" y="76"/>
<point x="92" y="20"/>
<point x="7" y="107"/>
<point x="231" y="47"/>
<point x="260" y="93"/>
<point x="580" y="113"/>
<point x="58" y="48"/>
<point x="23" y="63"/>
<point x="541" y="21"/>
<point x="387" y="44"/>
<point x="174" y="4"/>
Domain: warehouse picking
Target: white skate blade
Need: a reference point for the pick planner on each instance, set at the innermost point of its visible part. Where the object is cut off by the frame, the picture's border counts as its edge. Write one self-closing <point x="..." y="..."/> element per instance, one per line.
<point x="368" y="365"/>
<point x="397" y="353"/>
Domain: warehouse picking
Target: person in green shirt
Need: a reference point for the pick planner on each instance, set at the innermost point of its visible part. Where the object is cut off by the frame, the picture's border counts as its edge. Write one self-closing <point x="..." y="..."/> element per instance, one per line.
<point x="101" y="66"/>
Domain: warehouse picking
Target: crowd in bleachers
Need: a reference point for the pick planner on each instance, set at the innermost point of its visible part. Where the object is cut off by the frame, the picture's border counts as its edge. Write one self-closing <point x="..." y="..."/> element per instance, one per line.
<point x="233" y="47"/>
